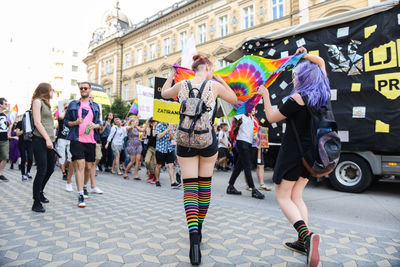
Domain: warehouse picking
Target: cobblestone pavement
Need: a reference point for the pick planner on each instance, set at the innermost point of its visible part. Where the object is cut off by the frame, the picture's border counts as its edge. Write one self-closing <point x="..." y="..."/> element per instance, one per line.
<point x="136" y="224"/>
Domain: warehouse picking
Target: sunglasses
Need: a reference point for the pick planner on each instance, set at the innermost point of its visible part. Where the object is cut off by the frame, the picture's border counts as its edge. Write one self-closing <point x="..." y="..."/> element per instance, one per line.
<point x="84" y="88"/>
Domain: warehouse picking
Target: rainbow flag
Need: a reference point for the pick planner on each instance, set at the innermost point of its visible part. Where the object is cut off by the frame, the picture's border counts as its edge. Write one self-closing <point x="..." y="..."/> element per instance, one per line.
<point x="12" y="115"/>
<point x="245" y="76"/>
<point x="132" y="116"/>
<point x="135" y="107"/>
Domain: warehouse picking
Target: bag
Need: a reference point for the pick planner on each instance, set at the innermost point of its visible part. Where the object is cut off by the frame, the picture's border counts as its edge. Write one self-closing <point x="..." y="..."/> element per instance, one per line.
<point x="233" y="132"/>
<point x="194" y="128"/>
<point x="27" y="125"/>
<point x="323" y="156"/>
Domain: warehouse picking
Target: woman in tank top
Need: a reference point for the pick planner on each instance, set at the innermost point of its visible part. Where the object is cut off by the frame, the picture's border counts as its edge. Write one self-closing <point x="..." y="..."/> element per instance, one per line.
<point x="42" y="143"/>
<point x="197" y="165"/>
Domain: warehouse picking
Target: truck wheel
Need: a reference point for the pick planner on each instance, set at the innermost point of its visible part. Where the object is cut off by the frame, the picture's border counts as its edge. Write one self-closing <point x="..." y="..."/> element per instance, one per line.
<point x="352" y="174"/>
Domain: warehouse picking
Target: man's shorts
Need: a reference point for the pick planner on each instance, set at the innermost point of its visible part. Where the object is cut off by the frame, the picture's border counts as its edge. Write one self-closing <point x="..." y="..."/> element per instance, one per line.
<point x="63" y="148"/>
<point x="223" y="152"/>
<point x="163" y="158"/>
<point x="98" y="152"/>
<point x="86" y="151"/>
<point x="4" y="150"/>
<point x="254" y="156"/>
<point x="116" y="149"/>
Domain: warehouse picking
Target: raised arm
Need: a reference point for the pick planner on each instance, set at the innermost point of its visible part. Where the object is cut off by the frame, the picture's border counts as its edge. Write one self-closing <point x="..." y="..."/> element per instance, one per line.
<point x="224" y="91"/>
<point x="169" y="91"/>
<point x="313" y="58"/>
<point x="272" y="115"/>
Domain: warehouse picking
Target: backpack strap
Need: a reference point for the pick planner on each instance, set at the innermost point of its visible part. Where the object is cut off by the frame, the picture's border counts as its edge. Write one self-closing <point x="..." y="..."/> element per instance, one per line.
<point x="191" y="89"/>
<point x="296" y="134"/>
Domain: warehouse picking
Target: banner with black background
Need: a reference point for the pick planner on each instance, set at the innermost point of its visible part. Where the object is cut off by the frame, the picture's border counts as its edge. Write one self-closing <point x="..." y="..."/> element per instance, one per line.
<point x="363" y="63"/>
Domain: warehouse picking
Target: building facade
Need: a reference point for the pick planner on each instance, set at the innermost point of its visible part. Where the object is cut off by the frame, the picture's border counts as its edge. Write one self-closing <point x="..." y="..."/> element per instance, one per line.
<point x="122" y="55"/>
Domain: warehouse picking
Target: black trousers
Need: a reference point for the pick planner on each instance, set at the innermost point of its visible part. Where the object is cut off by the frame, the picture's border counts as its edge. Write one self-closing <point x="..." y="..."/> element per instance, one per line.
<point x="243" y="162"/>
<point x="25" y="149"/>
<point x="45" y="162"/>
<point x="107" y="157"/>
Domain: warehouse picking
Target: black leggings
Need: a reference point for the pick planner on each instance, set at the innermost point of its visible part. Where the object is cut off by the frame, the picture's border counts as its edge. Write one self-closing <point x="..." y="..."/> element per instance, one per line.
<point x="243" y="162"/>
<point x="45" y="161"/>
<point x="25" y="149"/>
<point x="107" y="157"/>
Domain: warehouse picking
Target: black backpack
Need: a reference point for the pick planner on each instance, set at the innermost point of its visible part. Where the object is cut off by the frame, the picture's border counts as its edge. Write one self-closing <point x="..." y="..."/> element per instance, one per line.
<point x="323" y="156"/>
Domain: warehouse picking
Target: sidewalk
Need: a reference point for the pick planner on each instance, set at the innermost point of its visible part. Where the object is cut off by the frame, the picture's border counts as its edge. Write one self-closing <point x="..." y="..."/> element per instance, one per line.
<point x="136" y="224"/>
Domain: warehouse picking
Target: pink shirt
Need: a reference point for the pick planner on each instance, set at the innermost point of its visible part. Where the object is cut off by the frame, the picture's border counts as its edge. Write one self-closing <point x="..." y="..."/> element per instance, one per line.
<point x="86" y="138"/>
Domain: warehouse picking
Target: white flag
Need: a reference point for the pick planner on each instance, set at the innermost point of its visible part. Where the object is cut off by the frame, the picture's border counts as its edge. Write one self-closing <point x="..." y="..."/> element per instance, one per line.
<point x="188" y="51"/>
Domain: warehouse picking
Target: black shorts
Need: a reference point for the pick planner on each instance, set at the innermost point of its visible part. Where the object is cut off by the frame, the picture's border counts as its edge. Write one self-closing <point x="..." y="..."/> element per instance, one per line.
<point x="207" y="152"/>
<point x="86" y="151"/>
<point x="296" y="172"/>
<point x="254" y="156"/>
<point x="223" y="152"/>
<point x="163" y="158"/>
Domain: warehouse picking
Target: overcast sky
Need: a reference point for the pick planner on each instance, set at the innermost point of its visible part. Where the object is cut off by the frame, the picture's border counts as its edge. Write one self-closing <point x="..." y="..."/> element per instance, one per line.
<point x="34" y="26"/>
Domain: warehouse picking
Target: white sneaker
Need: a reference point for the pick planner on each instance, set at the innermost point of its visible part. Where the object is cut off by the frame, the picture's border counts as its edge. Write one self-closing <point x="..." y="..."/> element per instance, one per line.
<point x="96" y="190"/>
<point x="68" y="187"/>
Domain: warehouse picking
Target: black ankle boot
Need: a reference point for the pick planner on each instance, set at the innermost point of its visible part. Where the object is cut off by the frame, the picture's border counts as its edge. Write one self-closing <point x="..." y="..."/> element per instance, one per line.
<point x="232" y="190"/>
<point x="200" y="235"/>
<point x="43" y="199"/>
<point x="195" y="253"/>
<point x="37" y="206"/>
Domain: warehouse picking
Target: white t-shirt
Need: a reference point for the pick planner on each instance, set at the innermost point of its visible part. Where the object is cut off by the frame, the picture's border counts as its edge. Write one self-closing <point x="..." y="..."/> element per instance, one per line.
<point x="224" y="137"/>
<point x="246" y="129"/>
<point x="117" y="135"/>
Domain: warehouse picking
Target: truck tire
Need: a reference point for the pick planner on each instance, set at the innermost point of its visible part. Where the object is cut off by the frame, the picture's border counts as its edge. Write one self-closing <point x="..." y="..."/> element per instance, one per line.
<point x="352" y="174"/>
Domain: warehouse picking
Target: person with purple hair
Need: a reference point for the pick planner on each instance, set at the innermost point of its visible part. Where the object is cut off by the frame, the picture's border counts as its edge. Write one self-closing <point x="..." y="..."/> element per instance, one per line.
<point x="311" y="90"/>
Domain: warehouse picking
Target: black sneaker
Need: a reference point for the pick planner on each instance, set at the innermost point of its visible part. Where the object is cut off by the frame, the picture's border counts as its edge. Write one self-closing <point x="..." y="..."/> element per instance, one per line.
<point x="311" y="245"/>
<point x="231" y="190"/>
<point x="296" y="247"/>
<point x="178" y="178"/>
<point x="158" y="183"/>
<point x="81" y="201"/>
<point x="175" y="185"/>
<point x="65" y="176"/>
<point x="256" y="194"/>
<point x="85" y="193"/>
<point x="38" y="207"/>
<point x="29" y="175"/>
<point x="107" y="170"/>
<point x="3" y="178"/>
<point x="100" y="168"/>
<point x="43" y="199"/>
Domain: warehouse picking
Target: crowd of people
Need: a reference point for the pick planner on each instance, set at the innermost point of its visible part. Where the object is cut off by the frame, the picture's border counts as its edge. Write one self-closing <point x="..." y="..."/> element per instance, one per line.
<point x="84" y="144"/>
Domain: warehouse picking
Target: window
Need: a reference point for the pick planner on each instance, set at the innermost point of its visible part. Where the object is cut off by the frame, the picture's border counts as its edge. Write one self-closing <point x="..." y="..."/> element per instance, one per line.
<point x="167" y="46"/>
<point x="152" y="52"/>
<point x="223" y="26"/>
<point x="165" y="75"/>
<point x="74" y="68"/>
<point x="150" y="82"/>
<point x="277" y="9"/>
<point x="125" y="91"/>
<point x="137" y="82"/>
<point x="108" y="66"/>
<point x="74" y="82"/>
<point x="222" y="63"/>
<point x="182" y="39"/>
<point x="139" y="56"/>
<point x="75" y="54"/>
<point x="248" y="17"/>
<point x="202" y="34"/>
<point x="127" y="60"/>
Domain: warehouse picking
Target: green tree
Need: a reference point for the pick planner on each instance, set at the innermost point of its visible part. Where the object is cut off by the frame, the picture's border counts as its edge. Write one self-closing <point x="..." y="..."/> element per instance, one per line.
<point x="119" y="107"/>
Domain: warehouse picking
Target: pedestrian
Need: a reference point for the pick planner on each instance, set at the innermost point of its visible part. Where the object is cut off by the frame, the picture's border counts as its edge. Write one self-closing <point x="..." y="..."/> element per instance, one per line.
<point x="82" y="118"/>
<point x="25" y="150"/>
<point x="311" y="90"/>
<point x="133" y="147"/>
<point x="164" y="153"/>
<point x="14" y="151"/>
<point x="63" y="146"/>
<point x="42" y="143"/>
<point x="244" y="140"/>
<point x="107" y="158"/>
<point x="197" y="165"/>
<point x="116" y="138"/>
<point x="223" y="147"/>
<point x="150" y="158"/>
<point x="4" y="143"/>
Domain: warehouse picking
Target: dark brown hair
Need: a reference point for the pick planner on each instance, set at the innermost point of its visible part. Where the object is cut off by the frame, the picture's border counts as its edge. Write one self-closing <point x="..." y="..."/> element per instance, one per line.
<point x="42" y="92"/>
<point x="88" y="83"/>
<point x="200" y="60"/>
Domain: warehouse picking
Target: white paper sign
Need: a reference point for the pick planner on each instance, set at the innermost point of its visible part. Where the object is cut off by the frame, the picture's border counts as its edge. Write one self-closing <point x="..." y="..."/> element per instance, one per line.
<point x="145" y="101"/>
<point x="333" y="94"/>
<point x="342" y="32"/>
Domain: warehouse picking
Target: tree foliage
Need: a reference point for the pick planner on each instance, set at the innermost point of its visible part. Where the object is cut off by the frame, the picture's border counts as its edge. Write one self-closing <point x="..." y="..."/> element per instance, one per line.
<point x="119" y="107"/>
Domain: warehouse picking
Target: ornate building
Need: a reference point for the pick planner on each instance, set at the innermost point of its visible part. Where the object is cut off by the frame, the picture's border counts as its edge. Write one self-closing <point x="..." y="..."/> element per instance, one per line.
<point x="123" y="55"/>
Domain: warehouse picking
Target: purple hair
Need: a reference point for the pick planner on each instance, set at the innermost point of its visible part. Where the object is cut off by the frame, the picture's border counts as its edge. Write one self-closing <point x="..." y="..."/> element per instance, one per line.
<point x="310" y="81"/>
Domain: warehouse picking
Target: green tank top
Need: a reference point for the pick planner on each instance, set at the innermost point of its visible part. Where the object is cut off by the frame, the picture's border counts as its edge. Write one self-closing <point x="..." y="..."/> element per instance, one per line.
<point x="47" y="121"/>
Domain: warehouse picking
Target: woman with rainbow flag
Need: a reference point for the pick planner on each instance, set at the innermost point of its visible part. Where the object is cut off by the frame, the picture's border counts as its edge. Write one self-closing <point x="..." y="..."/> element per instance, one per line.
<point x="197" y="165"/>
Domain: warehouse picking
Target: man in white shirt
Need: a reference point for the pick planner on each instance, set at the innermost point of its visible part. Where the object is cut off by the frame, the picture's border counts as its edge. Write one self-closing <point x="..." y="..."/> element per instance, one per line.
<point x="223" y="146"/>
<point x="116" y="138"/>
